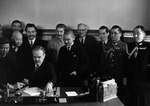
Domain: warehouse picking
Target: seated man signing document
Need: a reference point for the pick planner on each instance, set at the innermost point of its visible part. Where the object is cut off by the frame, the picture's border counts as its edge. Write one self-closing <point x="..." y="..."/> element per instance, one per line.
<point x="42" y="74"/>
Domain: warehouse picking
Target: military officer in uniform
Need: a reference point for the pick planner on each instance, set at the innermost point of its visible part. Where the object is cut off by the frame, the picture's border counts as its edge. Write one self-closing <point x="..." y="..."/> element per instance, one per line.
<point x="114" y="59"/>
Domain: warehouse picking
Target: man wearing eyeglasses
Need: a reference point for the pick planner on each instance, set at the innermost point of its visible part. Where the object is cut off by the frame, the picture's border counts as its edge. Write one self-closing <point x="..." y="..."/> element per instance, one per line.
<point x="90" y="45"/>
<point x="115" y="58"/>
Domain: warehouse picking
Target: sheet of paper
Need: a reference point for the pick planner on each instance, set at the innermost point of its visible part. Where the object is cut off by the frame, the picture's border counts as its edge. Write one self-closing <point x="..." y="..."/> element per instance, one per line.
<point x="71" y="93"/>
<point x="34" y="91"/>
<point x="62" y="100"/>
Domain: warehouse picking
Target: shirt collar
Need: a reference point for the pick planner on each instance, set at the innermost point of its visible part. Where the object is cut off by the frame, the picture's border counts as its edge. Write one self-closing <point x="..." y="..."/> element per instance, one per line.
<point x="139" y="43"/>
<point x="82" y="38"/>
<point x="14" y="47"/>
<point x="37" y="65"/>
<point x="70" y="46"/>
<point x="115" y="43"/>
<point x="105" y="42"/>
<point x="32" y="41"/>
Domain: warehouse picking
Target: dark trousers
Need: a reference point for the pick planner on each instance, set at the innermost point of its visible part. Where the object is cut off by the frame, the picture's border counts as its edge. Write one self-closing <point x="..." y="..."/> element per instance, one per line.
<point x="143" y="95"/>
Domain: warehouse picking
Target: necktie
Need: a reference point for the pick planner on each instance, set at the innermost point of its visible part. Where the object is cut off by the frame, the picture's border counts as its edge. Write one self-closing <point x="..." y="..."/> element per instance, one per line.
<point x="36" y="67"/>
<point x="35" y="71"/>
<point x="31" y="43"/>
<point x="82" y="41"/>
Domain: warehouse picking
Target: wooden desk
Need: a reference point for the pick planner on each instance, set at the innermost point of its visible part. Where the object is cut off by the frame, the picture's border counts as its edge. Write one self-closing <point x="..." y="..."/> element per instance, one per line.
<point x="73" y="101"/>
<point x="113" y="102"/>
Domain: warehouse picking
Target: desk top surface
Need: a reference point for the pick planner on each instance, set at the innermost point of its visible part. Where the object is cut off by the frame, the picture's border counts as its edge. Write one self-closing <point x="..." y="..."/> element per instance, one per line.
<point x="73" y="101"/>
<point x="113" y="102"/>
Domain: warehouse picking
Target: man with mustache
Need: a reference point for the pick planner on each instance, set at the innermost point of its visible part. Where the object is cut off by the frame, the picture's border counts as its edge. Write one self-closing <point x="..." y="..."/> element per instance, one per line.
<point x="29" y="42"/>
<point x="56" y="43"/>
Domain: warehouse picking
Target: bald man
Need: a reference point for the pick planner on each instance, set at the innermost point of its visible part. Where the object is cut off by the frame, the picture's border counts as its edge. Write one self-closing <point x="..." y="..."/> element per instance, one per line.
<point x="17" y="49"/>
<point x="17" y="40"/>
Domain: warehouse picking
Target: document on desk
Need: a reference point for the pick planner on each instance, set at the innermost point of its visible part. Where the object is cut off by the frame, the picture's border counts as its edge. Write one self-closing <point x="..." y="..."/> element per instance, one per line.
<point x="71" y="93"/>
<point x="34" y="91"/>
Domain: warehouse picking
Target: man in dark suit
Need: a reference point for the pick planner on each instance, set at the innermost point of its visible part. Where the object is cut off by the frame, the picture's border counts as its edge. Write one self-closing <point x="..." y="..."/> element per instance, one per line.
<point x="72" y="61"/>
<point x="16" y="48"/>
<point x="90" y="45"/>
<point x="29" y="42"/>
<point x="103" y="46"/>
<point x="8" y="66"/>
<point x="42" y="73"/>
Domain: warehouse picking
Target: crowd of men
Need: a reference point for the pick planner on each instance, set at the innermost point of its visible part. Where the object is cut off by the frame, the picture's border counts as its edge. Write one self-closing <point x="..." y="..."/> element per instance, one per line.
<point x="67" y="59"/>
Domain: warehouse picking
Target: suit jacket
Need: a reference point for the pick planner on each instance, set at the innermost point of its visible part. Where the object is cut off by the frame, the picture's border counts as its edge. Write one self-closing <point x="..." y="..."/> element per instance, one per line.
<point x="42" y="75"/>
<point x="8" y="67"/>
<point x="90" y="46"/>
<point x="101" y="54"/>
<point x="20" y="62"/>
<point x="71" y="60"/>
<point x="27" y="52"/>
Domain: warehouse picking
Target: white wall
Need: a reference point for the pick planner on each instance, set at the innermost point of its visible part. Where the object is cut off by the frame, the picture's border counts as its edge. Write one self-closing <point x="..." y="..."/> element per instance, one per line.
<point x="48" y="13"/>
